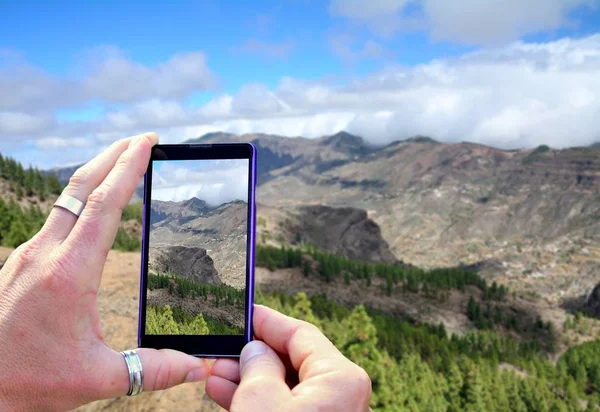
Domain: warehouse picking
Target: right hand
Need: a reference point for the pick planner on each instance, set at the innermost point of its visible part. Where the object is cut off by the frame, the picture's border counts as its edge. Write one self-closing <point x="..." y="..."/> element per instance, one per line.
<point x="292" y="366"/>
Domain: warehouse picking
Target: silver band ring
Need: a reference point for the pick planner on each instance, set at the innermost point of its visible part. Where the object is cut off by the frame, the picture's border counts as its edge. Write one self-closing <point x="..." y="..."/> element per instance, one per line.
<point x="136" y="373"/>
<point x="69" y="203"/>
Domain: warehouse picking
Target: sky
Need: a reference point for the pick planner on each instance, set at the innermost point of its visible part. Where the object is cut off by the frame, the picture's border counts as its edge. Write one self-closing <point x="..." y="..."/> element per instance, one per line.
<point x="76" y="76"/>
<point x="214" y="181"/>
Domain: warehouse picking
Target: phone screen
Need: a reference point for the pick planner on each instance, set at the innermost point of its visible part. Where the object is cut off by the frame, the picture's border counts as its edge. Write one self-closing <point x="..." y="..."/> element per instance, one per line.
<point x="197" y="247"/>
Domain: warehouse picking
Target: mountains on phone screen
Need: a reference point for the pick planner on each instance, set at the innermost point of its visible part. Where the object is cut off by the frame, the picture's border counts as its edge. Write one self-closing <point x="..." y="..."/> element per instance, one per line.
<point x="202" y="242"/>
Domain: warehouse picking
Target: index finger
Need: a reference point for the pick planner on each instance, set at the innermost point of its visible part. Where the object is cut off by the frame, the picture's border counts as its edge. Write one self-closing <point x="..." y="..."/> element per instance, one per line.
<point x="94" y="233"/>
<point x="303" y="342"/>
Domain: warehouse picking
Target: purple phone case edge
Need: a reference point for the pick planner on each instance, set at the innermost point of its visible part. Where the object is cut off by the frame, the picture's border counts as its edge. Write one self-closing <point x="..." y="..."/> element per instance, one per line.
<point x="250" y="329"/>
<point x="142" y="283"/>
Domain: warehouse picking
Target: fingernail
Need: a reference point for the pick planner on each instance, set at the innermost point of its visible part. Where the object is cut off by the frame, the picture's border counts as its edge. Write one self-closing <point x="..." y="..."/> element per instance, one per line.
<point x="251" y="350"/>
<point x="196" y="375"/>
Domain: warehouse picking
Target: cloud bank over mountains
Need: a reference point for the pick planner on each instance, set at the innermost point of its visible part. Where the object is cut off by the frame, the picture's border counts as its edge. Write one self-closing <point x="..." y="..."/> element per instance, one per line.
<point x="515" y="94"/>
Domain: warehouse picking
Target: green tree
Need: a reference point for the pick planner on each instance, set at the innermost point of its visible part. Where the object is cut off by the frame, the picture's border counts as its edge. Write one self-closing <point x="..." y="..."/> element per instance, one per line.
<point x="53" y="185"/>
<point x="473" y="389"/>
<point x="17" y="234"/>
<point x="455" y="386"/>
<point x="159" y="321"/>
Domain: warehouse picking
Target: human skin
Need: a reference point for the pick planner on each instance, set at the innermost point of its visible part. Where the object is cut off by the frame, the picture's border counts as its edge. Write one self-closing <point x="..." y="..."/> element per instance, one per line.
<point x="291" y="366"/>
<point x="54" y="356"/>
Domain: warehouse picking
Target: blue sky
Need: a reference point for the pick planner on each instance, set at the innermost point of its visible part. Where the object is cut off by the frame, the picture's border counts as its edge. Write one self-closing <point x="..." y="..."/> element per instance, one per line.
<point x="78" y="75"/>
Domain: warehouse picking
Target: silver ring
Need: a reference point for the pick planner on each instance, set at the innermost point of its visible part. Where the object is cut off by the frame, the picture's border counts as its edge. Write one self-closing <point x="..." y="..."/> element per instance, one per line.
<point x="69" y="203"/>
<point x="136" y="373"/>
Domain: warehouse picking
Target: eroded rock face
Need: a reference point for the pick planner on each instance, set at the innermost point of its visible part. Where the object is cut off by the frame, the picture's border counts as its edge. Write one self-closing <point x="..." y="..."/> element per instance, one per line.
<point x="593" y="302"/>
<point x="189" y="262"/>
<point x="345" y="231"/>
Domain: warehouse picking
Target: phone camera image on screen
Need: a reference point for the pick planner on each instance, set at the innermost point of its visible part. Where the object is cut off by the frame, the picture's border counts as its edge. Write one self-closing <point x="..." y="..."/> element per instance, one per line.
<point x="197" y="252"/>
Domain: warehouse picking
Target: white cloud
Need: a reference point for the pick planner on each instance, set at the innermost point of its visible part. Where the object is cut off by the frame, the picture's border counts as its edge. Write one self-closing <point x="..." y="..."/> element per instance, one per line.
<point x="256" y="99"/>
<point x="214" y="181"/>
<point x="381" y="16"/>
<point x="107" y="75"/>
<point x="19" y="123"/>
<point x="118" y="79"/>
<point x="492" y="22"/>
<point x="520" y="95"/>
<point x="60" y="143"/>
<point x="465" y="21"/>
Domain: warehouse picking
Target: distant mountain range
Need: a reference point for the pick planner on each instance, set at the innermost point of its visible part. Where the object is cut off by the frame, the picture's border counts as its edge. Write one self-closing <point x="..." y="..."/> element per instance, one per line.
<point x="533" y="215"/>
<point x="529" y="218"/>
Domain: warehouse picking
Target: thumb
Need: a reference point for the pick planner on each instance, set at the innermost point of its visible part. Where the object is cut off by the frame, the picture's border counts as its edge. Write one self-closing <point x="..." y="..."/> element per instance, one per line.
<point x="162" y="369"/>
<point x="262" y="376"/>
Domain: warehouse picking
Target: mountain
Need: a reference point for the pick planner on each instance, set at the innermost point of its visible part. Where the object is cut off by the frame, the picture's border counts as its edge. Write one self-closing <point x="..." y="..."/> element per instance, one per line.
<point x="536" y="212"/>
<point x="179" y="211"/>
<point x="190" y="262"/>
<point x="192" y="223"/>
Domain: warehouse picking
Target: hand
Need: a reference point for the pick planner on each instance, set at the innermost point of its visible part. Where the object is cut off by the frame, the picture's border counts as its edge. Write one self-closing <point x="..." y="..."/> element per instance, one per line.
<point x="299" y="370"/>
<point x="53" y="352"/>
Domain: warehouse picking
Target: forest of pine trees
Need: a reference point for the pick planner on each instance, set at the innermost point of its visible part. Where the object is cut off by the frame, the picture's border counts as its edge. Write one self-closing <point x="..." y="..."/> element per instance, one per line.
<point x="328" y="266"/>
<point x="417" y="367"/>
<point x="220" y="294"/>
<point x="30" y="181"/>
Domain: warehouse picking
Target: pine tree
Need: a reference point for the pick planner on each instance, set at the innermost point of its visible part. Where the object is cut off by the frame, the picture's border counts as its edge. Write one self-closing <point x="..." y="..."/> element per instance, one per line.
<point x="473" y="390"/>
<point x="455" y="387"/>
<point x="302" y="309"/>
<point x="53" y="185"/>
<point x="17" y="234"/>
<point x="197" y="326"/>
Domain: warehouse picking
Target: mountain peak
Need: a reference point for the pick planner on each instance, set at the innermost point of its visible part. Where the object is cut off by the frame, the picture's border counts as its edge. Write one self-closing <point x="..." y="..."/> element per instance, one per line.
<point x="345" y="142"/>
<point x="421" y="139"/>
<point x="194" y="203"/>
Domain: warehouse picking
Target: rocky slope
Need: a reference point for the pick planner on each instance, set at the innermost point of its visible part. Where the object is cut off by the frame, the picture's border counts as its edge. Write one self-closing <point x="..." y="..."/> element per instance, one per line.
<point x="221" y="231"/>
<point x="593" y="302"/>
<point x="344" y="231"/>
<point x="191" y="263"/>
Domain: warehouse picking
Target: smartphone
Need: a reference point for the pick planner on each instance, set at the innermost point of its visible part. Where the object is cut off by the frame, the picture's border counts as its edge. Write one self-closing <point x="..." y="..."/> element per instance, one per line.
<point x="197" y="272"/>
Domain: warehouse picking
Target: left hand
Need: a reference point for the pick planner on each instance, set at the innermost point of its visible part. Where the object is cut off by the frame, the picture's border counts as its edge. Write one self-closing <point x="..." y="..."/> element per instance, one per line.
<point x="53" y="353"/>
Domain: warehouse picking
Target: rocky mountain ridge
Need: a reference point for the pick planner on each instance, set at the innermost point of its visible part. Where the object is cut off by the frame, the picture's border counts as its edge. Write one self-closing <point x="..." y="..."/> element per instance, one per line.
<point x="442" y="204"/>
